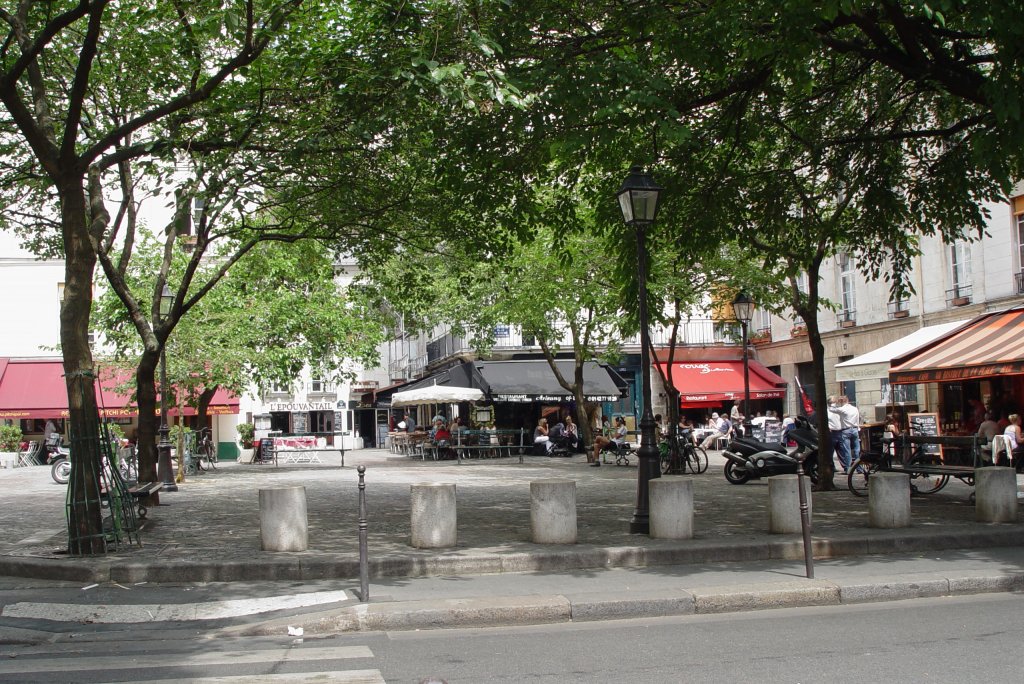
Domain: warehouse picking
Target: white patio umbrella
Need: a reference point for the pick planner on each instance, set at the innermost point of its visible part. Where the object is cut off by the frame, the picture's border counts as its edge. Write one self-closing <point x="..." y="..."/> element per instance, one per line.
<point x="436" y="394"/>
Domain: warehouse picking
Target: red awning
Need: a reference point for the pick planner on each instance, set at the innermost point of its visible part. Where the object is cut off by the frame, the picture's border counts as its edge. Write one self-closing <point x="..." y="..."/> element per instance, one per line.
<point x="36" y="389"/>
<point x="990" y="345"/>
<point x="705" y="383"/>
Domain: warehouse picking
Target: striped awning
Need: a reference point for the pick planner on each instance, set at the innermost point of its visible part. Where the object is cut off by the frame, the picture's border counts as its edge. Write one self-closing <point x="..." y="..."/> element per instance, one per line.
<point x="990" y="345"/>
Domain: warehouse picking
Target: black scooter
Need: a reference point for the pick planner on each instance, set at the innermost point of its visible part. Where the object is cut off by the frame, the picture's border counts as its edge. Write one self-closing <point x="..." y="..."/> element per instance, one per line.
<point x="750" y="459"/>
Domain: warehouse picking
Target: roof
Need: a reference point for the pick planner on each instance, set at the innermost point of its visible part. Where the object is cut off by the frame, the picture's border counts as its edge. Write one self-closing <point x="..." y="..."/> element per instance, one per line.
<point x="876" y="363"/>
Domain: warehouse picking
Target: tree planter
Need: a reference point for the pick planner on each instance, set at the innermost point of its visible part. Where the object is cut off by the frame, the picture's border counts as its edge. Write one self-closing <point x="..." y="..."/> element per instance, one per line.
<point x="8" y="459"/>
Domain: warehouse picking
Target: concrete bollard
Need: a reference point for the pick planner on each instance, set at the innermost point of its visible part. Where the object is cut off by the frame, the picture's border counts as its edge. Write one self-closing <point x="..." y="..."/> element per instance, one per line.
<point x="889" y="500"/>
<point x="995" y="489"/>
<point x="671" y="508"/>
<point x="283" y="519"/>
<point x="553" y="511"/>
<point x="784" y="504"/>
<point x="434" y="515"/>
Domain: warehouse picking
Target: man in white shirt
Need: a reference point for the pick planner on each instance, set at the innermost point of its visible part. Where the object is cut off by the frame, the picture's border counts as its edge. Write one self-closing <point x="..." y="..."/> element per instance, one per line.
<point x="849" y="417"/>
<point x="835" y="431"/>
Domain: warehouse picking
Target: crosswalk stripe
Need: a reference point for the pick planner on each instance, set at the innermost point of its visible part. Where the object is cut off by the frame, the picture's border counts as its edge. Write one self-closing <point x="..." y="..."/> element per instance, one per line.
<point x="15" y="665"/>
<point x="333" y="677"/>
<point x="208" y="610"/>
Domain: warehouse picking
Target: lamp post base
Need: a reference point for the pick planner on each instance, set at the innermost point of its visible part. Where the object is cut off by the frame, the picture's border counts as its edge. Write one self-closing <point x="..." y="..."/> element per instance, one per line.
<point x="164" y="469"/>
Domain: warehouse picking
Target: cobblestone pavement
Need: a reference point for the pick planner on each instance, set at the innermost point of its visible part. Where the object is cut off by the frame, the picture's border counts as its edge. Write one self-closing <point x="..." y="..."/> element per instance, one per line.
<point x="215" y="517"/>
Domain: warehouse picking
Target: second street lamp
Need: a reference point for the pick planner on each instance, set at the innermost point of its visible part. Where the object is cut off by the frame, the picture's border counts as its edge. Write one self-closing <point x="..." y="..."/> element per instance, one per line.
<point x="638" y="200"/>
<point x="743" y="310"/>
<point x="166" y="472"/>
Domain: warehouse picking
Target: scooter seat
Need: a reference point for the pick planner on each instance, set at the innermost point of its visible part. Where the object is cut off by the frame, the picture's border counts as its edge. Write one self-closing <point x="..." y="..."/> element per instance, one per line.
<point x="755" y="445"/>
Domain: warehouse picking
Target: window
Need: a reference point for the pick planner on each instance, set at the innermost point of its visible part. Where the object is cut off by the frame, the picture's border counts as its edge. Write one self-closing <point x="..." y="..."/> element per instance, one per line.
<point x="960" y="269"/>
<point x="898" y="394"/>
<point x="1018" y="219"/>
<point x="847" y="283"/>
<point x="320" y="386"/>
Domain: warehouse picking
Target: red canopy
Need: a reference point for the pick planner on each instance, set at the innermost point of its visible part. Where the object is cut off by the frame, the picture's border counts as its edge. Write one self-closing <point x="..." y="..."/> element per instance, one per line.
<point x="703" y="383"/>
<point x="35" y="389"/>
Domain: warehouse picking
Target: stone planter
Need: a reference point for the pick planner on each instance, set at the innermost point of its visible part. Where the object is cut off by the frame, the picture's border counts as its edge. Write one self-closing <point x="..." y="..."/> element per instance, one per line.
<point x="8" y="459"/>
<point x="245" y="455"/>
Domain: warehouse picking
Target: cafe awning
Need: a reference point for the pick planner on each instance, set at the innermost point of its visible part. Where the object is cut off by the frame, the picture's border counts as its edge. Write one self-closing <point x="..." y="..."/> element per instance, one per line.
<point x="990" y="345"/>
<point x="35" y="388"/>
<point x="532" y="380"/>
<point x="877" y="363"/>
<point x="704" y="383"/>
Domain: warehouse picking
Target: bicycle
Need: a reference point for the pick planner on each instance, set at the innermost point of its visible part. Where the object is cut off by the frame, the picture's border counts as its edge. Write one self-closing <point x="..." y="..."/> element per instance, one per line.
<point x="206" y="451"/>
<point x="690" y="455"/>
<point x="924" y="481"/>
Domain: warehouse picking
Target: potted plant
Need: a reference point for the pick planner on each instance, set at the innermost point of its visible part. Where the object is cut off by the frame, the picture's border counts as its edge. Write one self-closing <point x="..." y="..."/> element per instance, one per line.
<point x="798" y="330"/>
<point x="246" y="435"/>
<point x="761" y="337"/>
<point x="10" y="442"/>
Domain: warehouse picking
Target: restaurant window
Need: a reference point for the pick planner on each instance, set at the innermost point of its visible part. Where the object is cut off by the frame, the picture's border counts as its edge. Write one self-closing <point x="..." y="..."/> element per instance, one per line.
<point x="898" y="394"/>
<point x="847" y="283"/>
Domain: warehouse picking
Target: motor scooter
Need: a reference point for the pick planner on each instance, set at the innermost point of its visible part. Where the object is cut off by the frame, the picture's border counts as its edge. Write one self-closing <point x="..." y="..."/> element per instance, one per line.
<point x="59" y="457"/>
<point x="750" y="459"/>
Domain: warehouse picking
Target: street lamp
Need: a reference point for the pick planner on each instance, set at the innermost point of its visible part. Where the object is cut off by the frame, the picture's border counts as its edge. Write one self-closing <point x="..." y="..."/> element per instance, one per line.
<point x="164" y="447"/>
<point x="743" y="310"/>
<point x="638" y="200"/>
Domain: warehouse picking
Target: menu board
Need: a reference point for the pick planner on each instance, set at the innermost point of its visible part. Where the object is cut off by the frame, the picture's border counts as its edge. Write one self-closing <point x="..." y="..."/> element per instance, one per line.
<point x="926" y="424"/>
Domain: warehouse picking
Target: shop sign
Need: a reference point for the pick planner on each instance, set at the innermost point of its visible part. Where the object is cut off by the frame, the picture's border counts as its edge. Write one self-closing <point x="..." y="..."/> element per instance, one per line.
<point x="291" y="407"/>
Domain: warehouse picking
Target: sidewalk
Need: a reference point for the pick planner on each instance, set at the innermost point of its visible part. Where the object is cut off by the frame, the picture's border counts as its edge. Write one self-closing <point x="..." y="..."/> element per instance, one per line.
<point x="209" y="531"/>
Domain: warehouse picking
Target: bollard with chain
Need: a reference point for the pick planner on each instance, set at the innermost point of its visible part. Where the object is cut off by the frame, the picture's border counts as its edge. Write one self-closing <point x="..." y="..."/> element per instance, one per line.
<point x="364" y="571"/>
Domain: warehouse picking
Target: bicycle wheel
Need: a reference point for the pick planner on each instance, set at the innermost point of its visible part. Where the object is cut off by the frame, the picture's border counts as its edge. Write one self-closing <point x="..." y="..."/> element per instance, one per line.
<point x="211" y="455"/>
<point x="927" y="483"/>
<point x="857" y="478"/>
<point x="697" y="459"/>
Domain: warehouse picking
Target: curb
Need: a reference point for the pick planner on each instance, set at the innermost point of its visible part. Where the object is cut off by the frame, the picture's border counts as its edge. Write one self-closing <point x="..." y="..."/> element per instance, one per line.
<point x="315" y="566"/>
<point x="508" y="611"/>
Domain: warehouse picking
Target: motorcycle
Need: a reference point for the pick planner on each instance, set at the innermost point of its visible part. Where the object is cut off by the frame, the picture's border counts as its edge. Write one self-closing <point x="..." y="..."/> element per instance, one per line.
<point x="750" y="459"/>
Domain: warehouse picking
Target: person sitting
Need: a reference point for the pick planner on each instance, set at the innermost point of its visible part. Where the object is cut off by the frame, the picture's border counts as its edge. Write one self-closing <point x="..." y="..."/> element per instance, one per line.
<point x="541" y="439"/>
<point x="723" y="428"/>
<point x="615" y="441"/>
<point x="571" y="435"/>
<point x="989" y="428"/>
<point x="1014" y="440"/>
<point x="441" y="438"/>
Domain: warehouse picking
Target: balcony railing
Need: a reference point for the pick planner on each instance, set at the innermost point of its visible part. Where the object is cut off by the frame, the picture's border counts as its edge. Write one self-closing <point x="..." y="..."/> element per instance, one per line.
<point x="846" y="318"/>
<point x="1018" y="281"/>
<point x="958" y="296"/>
<point x="898" y="309"/>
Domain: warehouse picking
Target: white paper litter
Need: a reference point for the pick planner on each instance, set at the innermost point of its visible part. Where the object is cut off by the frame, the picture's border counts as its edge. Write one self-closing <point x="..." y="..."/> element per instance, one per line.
<point x="294" y="631"/>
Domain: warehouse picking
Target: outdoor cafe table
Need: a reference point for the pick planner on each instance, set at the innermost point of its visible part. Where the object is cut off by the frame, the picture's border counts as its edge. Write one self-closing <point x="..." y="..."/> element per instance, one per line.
<point x="479" y="444"/>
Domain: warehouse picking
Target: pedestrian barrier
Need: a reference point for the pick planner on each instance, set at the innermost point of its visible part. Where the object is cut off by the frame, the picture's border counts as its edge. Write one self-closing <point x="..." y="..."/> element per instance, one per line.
<point x="284" y="524"/>
<point x="995" y="489"/>
<point x="784" y="504"/>
<point x="553" y="511"/>
<point x="433" y="515"/>
<point x="889" y="500"/>
<point x="670" y="508"/>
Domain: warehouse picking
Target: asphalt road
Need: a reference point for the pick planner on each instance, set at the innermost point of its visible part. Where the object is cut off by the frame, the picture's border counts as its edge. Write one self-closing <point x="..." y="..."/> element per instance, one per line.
<point x="975" y="638"/>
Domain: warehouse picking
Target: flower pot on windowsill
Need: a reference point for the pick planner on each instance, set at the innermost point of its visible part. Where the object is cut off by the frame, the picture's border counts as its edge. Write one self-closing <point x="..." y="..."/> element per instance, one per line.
<point x="798" y="332"/>
<point x="902" y="313"/>
<point x="847" y="324"/>
<point x="961" y="301"/>
<point x="761" y="339"/>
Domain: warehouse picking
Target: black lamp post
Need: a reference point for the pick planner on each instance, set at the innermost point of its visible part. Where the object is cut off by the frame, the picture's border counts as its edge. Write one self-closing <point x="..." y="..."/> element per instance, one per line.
<point x="166" y="473"/>
<point x="743" y="310"/>
<point x="638" y="200"/>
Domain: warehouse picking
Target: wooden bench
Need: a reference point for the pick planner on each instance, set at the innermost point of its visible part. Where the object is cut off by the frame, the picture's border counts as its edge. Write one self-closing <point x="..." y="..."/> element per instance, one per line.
<point x="140" y="493"/>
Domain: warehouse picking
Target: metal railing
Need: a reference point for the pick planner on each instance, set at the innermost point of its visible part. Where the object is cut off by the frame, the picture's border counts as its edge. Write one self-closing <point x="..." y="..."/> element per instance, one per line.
<point x="958" y="296"/>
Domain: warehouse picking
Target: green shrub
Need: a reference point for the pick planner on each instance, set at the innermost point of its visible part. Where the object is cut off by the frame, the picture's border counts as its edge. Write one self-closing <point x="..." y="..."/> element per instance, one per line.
<point x="246" y="433"/>
<point x="10" y="437"/>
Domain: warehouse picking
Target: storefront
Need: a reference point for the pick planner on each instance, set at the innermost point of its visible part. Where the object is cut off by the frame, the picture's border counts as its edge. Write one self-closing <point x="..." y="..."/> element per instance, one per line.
<point x="705" y="386"/>
<point x="975" y="367"/>
<point x="33" y="391"/>
<point x="327" y="419"/>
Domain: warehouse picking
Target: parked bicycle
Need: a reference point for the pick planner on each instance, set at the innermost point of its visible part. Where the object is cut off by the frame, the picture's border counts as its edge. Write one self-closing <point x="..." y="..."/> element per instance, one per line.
<point x="923" y="467"/>
<point x="206" y="452"/>
<point x="689" y="454"/>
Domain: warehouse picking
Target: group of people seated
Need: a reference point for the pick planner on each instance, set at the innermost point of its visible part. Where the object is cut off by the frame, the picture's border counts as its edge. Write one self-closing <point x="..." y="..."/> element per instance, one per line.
<point x="563" y="437"/>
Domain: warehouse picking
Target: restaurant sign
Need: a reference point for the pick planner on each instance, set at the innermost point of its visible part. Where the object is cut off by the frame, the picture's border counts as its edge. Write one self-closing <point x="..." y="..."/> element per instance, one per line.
<point x="528" y="398"/>
<point x="291" y="407"/>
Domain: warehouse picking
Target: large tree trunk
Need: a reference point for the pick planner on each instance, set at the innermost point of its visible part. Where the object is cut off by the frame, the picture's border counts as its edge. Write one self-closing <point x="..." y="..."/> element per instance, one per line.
<point x="85" y="525"/>
<point x="145" y="396"/>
